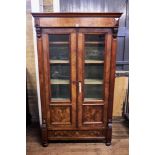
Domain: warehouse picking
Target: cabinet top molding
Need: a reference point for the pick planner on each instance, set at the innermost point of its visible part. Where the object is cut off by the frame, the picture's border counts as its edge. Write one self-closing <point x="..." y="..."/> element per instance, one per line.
<point x="64" y="20"/>
<point x="79" y="14"/>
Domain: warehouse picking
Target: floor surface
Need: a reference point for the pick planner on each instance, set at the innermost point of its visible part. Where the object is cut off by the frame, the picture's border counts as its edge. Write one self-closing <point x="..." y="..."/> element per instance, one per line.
<point x="120" y="144"/>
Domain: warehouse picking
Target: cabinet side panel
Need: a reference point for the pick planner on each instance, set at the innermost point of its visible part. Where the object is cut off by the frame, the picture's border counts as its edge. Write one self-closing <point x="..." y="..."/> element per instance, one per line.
<point x="111" y="91"/>
<point x="42" y="88"/>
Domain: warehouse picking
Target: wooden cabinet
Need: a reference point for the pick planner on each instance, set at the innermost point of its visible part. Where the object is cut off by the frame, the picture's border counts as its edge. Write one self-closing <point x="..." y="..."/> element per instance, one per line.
<point x="76" y="57"/>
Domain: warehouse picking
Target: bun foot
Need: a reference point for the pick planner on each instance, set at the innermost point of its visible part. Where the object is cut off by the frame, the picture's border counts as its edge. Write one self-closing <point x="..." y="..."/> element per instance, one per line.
<point x="108" y="143"/>
<point x="45" y="144"/>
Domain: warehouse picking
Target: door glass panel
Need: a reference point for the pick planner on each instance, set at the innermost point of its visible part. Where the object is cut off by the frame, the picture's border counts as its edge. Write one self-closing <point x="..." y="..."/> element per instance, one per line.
<point x="59" y="47"/>
<point x="59" y="38"/>
<point x="94" y="37"/>
<point x="59" y="52"/>
<point x="94" y="46"/>
<point x="94" y="71"/>
<point x="60" y="91"/>
<point x="60" y="71"/>
<point x="94" y="66"/>
<point x="94" y="52"/>
<point x="93" y="91"/>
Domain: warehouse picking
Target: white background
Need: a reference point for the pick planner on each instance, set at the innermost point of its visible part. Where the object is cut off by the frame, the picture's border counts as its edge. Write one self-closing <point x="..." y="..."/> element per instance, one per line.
<point x="13" y="77"/>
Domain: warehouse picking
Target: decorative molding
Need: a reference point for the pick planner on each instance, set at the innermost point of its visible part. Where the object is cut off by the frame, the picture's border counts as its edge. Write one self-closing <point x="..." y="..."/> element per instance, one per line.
<point x="117" y="21"/>
<point x="115" y="31"/>
<point x="78" y="14"/>
<point x="38" y="31"/>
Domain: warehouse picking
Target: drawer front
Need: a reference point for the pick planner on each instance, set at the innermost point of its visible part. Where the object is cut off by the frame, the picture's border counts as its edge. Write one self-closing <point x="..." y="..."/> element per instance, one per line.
<point x="76" y="134"/>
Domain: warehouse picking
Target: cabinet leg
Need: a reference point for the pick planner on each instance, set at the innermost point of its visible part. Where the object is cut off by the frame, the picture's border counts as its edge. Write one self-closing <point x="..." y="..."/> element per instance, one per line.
<point x="45" y="144"/>
<point x="108" y="143"/>
<point x="44" y="135"/>
<point x="109" y="134"/>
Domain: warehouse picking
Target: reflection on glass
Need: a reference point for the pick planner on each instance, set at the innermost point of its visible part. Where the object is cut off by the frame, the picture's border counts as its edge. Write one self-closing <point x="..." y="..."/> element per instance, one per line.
<point x="94" y="37"/>
<point x="94" y="46"/>
<point x="94" y="66"/>
<point x="60" y="91"/>
<point x="93" y="71"/>
<point x="59" y="49"/>
<point x="58" y="37"/>
<point x="59" y="46"/>
<point x="60" y="71"/>
<point x="94" y="52"/>
<point x="93" y="91"/>
<point x="59" y="52"/>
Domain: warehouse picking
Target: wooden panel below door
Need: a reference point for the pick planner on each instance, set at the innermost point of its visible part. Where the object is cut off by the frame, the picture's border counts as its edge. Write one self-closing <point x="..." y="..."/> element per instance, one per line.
<point x="75" y="134"/>
<point x="92" y="114"/>
<point x="60" y="115"/>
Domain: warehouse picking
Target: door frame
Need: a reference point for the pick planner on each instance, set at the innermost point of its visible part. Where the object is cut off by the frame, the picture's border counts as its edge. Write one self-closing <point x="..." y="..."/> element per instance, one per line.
<point x="72" y="59"/>
<point x="80" y="76"/>
<point x="76" y="69"/>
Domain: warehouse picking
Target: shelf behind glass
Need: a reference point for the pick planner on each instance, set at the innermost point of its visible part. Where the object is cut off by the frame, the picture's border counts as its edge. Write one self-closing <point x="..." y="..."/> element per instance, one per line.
<point x="93" y="81"/>
<point x="58" y="42"/>
<point x="94" y="61"/>
<point x="94" y="42"/>
<point x="59" y="61"/>
<point x="59" y="81"/>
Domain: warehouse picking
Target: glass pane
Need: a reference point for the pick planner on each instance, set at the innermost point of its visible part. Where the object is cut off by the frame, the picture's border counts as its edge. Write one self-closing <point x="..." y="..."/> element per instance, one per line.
<point x="94" y="37"/>
<point x="59" y="46"/>
<point x="60" y="91"/>
<point x="59" y="37"/>
<point x="94" y="46"/>
<point x="93" y="71"/>
<point x="94" y="52"/>
<point x="94" y="66"/>
<point x="93" y="91"/>
<point x="60" y="71"/>
<point x="59" y="52"/>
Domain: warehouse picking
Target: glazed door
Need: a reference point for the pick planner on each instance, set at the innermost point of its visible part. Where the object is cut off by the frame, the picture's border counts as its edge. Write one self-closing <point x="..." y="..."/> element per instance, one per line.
<point x="94" y="49"/>
<point x="77" y="71"/>
<point x="59" y="47"/>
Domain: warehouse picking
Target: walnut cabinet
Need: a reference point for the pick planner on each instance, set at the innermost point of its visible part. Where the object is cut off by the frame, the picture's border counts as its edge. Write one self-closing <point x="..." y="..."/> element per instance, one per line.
<point x="76" y="58"/>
